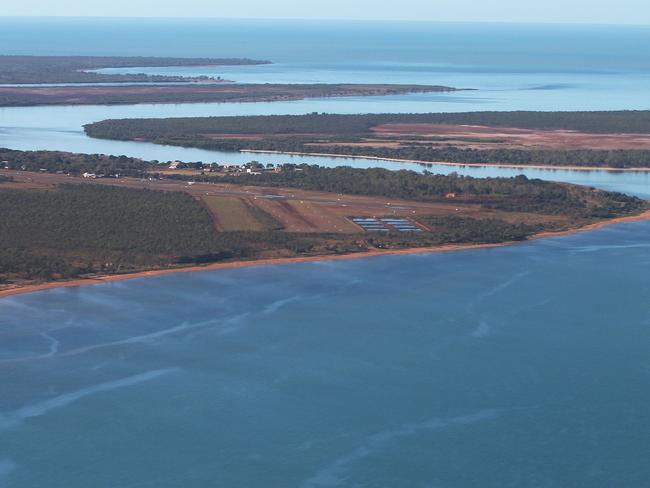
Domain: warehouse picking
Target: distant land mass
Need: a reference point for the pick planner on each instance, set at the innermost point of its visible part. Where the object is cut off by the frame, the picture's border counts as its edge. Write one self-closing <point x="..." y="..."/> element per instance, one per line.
<point x="195" y="93"/>
<point x="616" y="139"/>
<point x="79" y="69"/>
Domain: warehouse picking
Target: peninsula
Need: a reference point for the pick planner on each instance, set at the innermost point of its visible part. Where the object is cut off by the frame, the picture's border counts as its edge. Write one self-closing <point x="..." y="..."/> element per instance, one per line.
<point x="82" y="69"/>
<point x="129" y="94"/>
<point x="95" y="217"/>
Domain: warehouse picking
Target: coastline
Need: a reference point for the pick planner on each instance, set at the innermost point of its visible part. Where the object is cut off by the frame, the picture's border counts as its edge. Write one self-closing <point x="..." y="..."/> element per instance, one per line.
<point x="446" y="163"/>
<point x="304" y="259"/>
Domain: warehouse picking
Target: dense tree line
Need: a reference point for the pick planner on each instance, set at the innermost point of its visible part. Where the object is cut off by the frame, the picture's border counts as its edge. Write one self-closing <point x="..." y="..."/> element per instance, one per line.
<point x="110" y="218"/>
<point x="622" y="121"/>
<point x="73" y="69"/>
<point x="615" y="158"/>
<point x="72" y="163"/>
<point x="453" y="229"/>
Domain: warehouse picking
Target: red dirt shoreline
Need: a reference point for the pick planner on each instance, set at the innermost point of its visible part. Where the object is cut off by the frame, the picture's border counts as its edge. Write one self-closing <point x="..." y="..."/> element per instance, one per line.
<point x="342" y="257"/>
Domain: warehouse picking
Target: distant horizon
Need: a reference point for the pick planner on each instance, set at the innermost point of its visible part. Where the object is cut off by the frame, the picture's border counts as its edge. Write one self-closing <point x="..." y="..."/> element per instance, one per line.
<point x="337" y="20"/>
<point x="573" y="12"/>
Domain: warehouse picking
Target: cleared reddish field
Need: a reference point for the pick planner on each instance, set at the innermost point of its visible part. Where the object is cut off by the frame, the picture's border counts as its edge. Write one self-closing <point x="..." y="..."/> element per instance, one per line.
<point x="487" y="137"/>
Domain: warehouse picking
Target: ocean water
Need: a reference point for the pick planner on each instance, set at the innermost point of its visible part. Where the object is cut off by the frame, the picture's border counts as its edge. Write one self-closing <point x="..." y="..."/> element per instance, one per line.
<point x="513" y="67"/>
<point x="521" y="366"/>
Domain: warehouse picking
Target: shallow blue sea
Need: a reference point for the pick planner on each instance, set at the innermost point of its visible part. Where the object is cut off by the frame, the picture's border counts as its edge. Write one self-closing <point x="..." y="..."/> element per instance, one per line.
<point x="523" y="366"/>
<point x="520" y="366"/>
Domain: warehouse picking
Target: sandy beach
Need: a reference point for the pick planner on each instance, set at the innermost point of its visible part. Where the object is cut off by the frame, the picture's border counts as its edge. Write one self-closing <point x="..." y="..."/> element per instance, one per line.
<point x="445" y="163"/>
<point x="339" y="257"/>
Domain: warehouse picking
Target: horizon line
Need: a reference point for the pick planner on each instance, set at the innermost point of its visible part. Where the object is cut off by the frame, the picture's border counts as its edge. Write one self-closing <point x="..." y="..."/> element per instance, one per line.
<point x="329" y="19"/>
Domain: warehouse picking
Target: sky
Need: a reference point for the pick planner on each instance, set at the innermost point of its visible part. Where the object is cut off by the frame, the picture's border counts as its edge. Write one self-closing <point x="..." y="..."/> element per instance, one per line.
<point x="564" y="11"/>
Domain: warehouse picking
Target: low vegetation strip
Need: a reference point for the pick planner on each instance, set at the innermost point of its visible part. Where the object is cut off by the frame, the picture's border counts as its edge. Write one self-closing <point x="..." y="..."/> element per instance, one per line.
<point x="72" y="163"/>
<point x="453" y="229"/>
<point x="366" y="135"/>
<point x="623" y="121"/>
<point x="78" y="69"/>
<point x="194" y="93"/>
<point x="587" y="158"/>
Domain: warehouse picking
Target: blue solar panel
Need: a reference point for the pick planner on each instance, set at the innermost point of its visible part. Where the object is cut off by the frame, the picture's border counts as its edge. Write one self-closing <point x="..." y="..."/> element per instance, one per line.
<point x="388" y="224"/>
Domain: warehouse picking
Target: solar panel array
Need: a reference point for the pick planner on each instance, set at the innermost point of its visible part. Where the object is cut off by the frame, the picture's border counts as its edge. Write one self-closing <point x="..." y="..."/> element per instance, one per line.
<point x="402" y="225"/>
<point x="371" y="224"/>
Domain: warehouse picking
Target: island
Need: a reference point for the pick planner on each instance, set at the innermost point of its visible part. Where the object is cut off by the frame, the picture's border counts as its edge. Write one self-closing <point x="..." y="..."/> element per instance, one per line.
<point x="71" y="219"/>
<point x="579" y="140"/>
